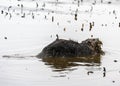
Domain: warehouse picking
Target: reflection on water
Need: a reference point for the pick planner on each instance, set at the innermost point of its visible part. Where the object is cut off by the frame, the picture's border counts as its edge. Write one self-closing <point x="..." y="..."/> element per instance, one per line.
<point x="61" y="64"/>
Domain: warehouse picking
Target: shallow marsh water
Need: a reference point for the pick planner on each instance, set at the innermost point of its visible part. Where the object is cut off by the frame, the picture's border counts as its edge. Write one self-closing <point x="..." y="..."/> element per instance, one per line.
<point x="30" y="29"/>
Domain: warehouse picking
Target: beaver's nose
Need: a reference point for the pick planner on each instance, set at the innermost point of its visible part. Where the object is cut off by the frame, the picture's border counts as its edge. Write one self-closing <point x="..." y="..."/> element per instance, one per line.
<point x="100" y="43"/>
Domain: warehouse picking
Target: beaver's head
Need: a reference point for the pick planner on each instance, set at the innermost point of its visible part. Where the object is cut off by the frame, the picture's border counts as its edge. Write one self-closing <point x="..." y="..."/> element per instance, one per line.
<point x="94" y="44"/>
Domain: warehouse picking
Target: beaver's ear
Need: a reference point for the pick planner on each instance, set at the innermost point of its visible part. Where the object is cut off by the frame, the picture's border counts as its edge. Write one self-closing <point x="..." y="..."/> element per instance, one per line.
<point x="94" y="39"/>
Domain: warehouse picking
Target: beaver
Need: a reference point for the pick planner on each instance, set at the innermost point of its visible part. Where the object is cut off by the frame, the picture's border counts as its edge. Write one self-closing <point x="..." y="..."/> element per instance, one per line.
<point x="70" y="48"/>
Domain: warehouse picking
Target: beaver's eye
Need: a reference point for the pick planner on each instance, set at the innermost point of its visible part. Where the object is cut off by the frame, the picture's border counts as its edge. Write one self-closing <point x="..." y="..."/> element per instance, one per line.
<point x="89" y="42"/>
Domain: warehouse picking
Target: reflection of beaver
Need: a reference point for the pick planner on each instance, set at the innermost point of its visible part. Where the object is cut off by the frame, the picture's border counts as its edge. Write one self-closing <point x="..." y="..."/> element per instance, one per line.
<point x="69" y="48"/>
<point x="62" y="64"/>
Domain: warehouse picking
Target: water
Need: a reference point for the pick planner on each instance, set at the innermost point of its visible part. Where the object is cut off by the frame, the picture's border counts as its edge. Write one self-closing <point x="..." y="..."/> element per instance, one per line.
<point x="30" y="29"/>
